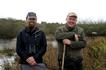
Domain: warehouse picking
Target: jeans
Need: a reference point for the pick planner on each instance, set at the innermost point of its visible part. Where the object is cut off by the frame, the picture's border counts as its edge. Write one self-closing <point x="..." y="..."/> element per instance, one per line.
<point x="40" y="66"/>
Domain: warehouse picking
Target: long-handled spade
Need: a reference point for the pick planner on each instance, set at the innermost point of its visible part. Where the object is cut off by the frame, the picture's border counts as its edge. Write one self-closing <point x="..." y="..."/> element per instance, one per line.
<point x="64" y="49"/>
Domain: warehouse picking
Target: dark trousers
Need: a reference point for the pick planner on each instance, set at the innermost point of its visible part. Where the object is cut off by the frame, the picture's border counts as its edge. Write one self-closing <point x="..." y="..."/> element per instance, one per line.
<point x="71" y="64"/>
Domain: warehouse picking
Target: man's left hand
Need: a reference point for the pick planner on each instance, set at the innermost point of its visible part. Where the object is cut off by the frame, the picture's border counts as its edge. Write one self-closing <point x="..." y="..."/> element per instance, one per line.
<point x="66" y="41"/>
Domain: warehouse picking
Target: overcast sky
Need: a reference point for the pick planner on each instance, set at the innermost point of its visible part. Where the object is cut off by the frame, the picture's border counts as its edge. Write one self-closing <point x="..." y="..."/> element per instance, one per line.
<point x="54" y="10"/>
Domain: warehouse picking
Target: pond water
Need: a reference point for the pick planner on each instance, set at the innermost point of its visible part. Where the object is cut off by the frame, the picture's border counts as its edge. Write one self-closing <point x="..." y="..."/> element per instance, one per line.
<point x="11" y="44"/>
<point x="4" y="60"/>
<point x="7" y="44"/>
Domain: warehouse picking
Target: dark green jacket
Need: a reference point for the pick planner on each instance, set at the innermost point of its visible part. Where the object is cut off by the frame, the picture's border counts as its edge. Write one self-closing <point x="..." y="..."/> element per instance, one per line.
<point x="73" y="50"/>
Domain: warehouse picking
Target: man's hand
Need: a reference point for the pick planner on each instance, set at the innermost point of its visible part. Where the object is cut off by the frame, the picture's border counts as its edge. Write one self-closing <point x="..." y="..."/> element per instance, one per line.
<point x="66" y="41"/>
<point x="31" y="61"/>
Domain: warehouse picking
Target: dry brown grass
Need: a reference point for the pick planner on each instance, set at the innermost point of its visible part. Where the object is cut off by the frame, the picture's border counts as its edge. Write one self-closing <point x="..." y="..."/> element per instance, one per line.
<point x="94" y="55"/>
<point x="50" y="57"/>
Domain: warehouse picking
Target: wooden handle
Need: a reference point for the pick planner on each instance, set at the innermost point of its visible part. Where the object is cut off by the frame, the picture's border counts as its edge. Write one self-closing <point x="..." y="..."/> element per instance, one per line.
<point x="76" y="37"/>
<point x="64" y="48"/>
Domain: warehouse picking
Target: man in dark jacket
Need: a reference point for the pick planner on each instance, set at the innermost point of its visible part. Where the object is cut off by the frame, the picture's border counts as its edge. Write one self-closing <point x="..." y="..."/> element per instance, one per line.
<point x="73" y="37"/>
<point x="31" y="45"/>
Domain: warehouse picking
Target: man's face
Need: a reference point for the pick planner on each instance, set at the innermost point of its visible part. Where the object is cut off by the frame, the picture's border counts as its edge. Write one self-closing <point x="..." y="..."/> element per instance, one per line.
<point x="31" y="22"/>
<point x="71" y="21"/>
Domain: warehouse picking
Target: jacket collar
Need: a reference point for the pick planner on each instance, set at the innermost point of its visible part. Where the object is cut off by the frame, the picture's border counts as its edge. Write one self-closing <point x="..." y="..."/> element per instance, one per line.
<point x="69" y="28"/>
<point x="31" y="31"/>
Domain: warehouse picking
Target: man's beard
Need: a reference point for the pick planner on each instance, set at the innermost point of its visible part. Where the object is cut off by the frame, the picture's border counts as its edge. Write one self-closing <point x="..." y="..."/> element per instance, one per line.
<point x="32" y="25"/>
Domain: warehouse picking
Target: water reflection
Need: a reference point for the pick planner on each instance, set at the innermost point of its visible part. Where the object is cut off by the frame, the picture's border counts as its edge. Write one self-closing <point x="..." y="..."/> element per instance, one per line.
<point x="5" y="59"/>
